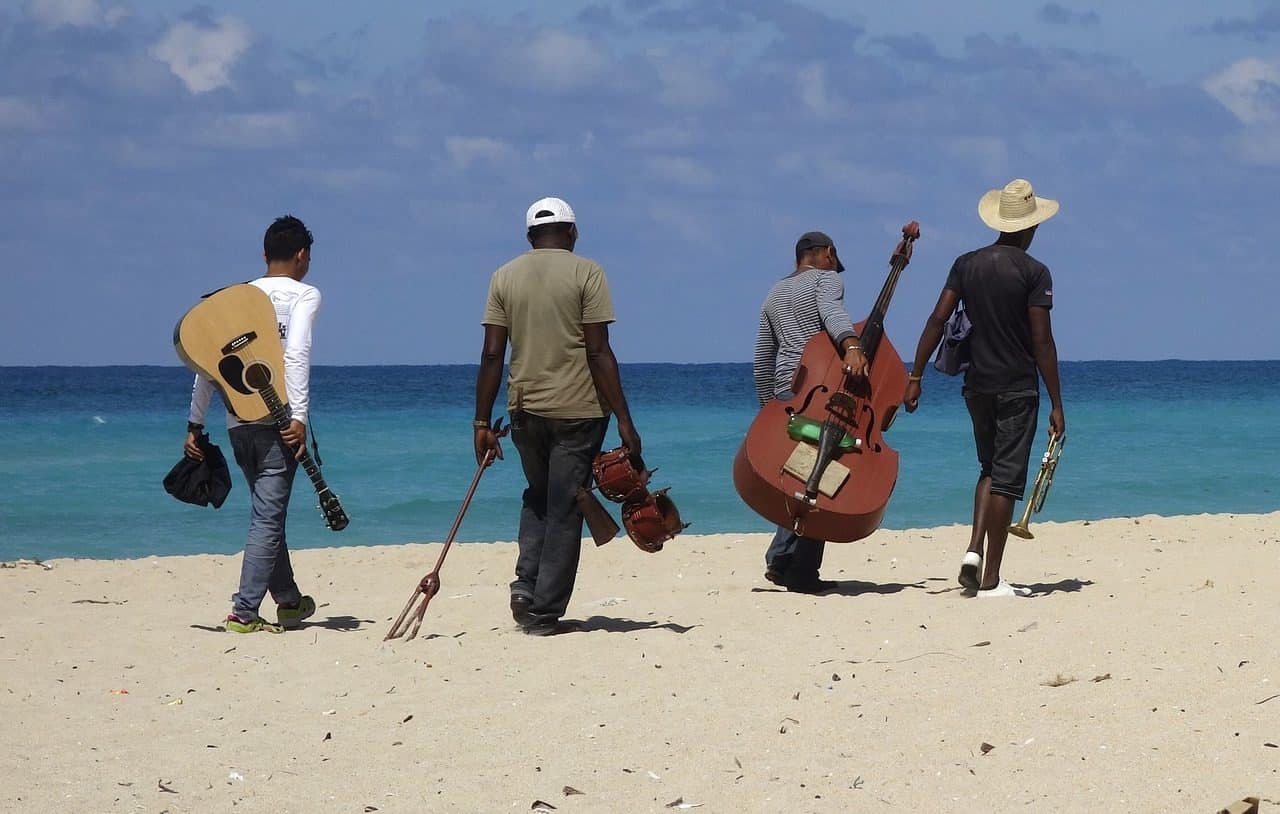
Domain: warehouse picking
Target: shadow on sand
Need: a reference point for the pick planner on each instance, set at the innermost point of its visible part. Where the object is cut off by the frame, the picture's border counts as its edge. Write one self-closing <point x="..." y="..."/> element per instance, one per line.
<point x="1070" y="585"/>
<point x="330" y="623"/>
<point x="852" y="587"/>
<point x="609" y="624"/>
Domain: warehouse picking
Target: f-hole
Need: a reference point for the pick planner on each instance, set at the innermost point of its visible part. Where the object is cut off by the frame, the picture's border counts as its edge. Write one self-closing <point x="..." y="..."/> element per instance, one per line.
<point x="257" y="375"/>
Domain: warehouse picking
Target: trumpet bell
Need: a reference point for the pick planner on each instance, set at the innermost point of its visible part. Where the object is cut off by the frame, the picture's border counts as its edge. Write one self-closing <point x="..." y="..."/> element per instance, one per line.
<point x="1019" y="530"/>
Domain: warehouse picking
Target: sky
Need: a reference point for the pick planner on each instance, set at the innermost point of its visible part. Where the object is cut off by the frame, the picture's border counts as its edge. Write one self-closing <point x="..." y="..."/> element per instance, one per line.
<point x="146" y="145"/>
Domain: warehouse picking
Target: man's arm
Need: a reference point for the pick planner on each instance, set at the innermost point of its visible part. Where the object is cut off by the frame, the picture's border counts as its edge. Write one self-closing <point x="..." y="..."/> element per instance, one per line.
<point x="929" y="339"/>
<point x="765" y="360"/>
<point x="838" y="324"/>
<point x="201" y="393"/>
<point x="492" y="355"/>
<point x="1046" y="353"/>
<point x="604" y="372"/>
<point x="297" y="368"/>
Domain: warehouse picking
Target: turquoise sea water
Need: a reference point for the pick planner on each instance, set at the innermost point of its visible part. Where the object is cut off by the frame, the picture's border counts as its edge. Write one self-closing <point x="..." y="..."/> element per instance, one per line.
<point x="83" y="452"/>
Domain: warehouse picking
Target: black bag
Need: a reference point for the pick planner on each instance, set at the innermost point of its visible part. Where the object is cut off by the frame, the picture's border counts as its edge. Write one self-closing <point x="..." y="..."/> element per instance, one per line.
<point x="200" y="482"/>
<point x="953" y="354"/>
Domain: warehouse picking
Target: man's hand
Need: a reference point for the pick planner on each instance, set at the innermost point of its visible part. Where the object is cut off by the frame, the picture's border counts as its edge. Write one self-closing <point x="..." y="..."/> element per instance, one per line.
<point x="855" y="362"/>
<point x="191" y="449"/>
<point x="630" y="439"/>
<point x="295" y="435"/>
<point x="485" y="440"/>
<point x="1057" y="421"/>
<point x="911" y="399"/>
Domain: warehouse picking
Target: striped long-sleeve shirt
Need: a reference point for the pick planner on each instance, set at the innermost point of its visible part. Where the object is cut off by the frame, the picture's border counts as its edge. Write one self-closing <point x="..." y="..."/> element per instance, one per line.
<point x="797" y="308"/>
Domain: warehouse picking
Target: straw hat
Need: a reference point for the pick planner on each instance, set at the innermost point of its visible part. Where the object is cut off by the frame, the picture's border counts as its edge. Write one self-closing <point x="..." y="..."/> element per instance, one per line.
<point x="1015" y="207"/>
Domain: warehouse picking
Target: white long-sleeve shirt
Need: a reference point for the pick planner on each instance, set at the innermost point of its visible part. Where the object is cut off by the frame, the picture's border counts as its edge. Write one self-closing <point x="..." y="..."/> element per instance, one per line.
<point x="296" y="305"/>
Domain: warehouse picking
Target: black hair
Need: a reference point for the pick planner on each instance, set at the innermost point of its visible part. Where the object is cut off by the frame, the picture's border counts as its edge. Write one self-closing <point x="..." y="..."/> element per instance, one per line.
<point x="802" y="253"/>
<point x="556" y="232"/>
<point x="285" y="237"/>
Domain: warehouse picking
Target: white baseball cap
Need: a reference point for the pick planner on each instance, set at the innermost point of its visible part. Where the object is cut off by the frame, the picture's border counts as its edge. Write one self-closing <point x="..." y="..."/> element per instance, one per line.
<point x="548" y="210"/>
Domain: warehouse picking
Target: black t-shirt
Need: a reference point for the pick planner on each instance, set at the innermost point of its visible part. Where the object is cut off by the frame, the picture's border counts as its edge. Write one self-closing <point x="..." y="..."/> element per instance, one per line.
<point x="998" y="284"/>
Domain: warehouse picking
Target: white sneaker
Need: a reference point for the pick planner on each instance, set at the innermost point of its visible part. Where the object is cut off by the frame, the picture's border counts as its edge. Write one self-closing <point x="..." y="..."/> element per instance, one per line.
<point x="970" y="571"/>
<point x="1004" y="589"/>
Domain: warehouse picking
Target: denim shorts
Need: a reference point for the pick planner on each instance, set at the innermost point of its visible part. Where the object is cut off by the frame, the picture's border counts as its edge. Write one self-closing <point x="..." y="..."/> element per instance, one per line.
<point x="1004" y="425"/>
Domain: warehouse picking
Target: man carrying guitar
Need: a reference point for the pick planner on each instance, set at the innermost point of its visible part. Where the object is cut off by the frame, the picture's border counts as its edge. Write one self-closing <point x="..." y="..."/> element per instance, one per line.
<point x="801" y="305"/>
<point x="267" y="455"/>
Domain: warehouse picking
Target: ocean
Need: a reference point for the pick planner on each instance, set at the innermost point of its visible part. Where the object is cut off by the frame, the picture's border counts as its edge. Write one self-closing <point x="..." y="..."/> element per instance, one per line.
<point x="83" y="452"/>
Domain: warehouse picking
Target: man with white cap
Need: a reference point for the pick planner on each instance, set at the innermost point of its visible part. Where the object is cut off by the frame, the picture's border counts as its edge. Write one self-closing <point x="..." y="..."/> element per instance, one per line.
<point x="1007" y="295"/>
<point x="553" y="307"/>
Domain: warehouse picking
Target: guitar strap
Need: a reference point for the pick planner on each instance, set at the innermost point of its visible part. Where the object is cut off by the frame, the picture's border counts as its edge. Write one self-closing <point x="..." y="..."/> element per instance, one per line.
<point x="315" y="446"/>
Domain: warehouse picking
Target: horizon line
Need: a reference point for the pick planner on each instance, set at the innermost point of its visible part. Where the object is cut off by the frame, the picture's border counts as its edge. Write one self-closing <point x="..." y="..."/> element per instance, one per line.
<point x="6" y="366"/>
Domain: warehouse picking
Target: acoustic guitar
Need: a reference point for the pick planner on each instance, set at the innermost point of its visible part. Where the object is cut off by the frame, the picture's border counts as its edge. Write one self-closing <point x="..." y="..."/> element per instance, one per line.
<point x="231" y="337"/>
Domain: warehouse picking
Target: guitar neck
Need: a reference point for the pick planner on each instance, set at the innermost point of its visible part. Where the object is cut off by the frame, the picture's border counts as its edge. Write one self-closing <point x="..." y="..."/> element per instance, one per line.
<point x="280" y="416"/>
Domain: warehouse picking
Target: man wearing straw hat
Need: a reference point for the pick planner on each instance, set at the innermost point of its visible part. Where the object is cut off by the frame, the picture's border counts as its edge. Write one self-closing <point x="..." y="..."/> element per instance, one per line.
<point x="1007" y="294"/>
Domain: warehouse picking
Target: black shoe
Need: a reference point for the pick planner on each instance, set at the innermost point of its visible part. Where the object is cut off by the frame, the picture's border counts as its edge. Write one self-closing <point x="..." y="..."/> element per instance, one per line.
<point x="520" y="605"/>
<point x="812" y="586"/>
<point x="775" y="576"/>
<point x="550" y="628"/>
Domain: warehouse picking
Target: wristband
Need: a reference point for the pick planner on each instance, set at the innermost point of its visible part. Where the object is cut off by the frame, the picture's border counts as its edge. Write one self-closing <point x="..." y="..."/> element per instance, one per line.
<point x="194" y="427"/>
<point x="914" y="378"/>
<point x="480" y="425"/>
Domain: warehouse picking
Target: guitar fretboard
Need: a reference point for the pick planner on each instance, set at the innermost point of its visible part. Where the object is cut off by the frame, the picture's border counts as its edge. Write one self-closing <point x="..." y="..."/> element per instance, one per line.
<point x="281" y="418"/>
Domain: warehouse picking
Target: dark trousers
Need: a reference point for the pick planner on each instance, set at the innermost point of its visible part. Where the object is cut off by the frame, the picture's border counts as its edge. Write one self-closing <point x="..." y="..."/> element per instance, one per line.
<point x="556" y="454"/>
<point x="797" y="559"/>
<point x="1004" y="427"/>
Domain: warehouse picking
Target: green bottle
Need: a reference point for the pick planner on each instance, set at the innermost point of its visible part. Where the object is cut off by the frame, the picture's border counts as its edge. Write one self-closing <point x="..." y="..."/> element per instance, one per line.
<point x="801" y="428"/>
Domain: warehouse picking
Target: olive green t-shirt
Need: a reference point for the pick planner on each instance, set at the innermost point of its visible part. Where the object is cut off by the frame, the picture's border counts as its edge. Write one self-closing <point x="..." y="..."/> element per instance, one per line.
<point x="543" y="298"/>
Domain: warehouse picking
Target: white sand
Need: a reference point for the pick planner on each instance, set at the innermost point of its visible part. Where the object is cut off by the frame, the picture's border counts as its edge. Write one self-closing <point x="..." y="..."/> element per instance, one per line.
<point x="693" y="680"/>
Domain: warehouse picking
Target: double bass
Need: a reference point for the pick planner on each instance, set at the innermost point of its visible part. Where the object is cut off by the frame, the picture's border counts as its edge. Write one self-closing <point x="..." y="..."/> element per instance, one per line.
<point x="818" y="463"/>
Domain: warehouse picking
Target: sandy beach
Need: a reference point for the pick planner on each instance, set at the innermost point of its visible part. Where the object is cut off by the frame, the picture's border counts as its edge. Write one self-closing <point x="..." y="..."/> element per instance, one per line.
<point x="1142" y="675"/>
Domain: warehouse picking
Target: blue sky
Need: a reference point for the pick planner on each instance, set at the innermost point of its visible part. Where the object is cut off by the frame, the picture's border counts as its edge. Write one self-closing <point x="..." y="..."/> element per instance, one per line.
<point x="144" y="147"/>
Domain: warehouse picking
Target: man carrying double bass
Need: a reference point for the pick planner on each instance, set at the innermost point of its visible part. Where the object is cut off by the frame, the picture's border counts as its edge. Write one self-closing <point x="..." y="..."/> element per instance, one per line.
<point x="799" y="306"/>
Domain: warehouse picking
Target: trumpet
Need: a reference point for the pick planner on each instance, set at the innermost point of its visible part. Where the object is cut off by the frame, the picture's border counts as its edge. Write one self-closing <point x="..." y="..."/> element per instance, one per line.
<point x="1048" y="464"/>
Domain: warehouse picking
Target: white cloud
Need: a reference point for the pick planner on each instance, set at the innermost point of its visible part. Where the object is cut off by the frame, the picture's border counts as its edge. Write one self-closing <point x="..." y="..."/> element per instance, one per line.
<point x="849" y="179"/>
<point x="250" y="131"/>
<point x="989" y="154"/>
<point x="353" y="179"/>
<point x="560" y="61"/>
<point x="203" y="57"/>
<point x="681" y="170"/>
<point x="467" y="150"/>
<point x="815" y="94"/>
<point x="1250" y="89"/>
<point x="685" y="82"/>
<point x="17" y="113"/>
<point x="75" y="13"/>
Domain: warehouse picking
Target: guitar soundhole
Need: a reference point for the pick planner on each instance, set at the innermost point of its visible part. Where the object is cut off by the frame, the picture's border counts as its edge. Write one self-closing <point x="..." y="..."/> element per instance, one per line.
<point x="257" y="375"/>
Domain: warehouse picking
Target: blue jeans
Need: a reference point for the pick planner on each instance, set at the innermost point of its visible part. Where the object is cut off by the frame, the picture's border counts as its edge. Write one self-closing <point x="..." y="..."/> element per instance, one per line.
<point x="796" y="559"/>
<point x="269" y="468"/>
<point x="556" y="454"/>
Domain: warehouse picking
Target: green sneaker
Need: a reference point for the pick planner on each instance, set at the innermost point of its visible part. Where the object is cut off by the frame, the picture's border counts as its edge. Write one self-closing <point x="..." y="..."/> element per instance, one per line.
<point x="234" y="624"/>
<point x="291" y="618"/>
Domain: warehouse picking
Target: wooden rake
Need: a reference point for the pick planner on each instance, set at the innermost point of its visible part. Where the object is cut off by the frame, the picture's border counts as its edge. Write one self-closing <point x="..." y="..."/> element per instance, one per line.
<point x="429" y="586"/>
